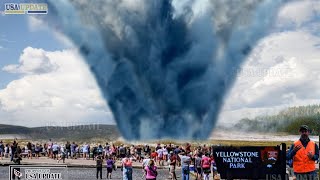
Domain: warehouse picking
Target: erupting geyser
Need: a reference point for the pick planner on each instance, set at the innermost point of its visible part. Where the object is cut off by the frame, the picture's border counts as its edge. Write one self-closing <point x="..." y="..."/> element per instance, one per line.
<point x="165" y="66"/>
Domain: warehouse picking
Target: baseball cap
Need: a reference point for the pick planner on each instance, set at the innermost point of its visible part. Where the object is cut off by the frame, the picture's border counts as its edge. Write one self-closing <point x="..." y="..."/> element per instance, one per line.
<point x="304" y="127"/>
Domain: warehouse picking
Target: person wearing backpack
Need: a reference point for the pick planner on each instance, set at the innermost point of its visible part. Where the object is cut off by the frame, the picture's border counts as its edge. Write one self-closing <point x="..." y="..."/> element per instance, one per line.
<point x="206" y="163"/>
<point x="122" y="151"/>
<point x="151" y="171"/>
<point x="126" y="168"/>
<point x="100" y="150"/>
<point x="197" y="166"/>
<point x="185" y="163"/>
<point x="99" y="162"/>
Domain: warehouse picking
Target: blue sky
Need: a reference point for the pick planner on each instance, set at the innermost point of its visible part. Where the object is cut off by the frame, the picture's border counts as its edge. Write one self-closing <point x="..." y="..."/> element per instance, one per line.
<point x="51" y="85"/>
<point x="15" y="35"/>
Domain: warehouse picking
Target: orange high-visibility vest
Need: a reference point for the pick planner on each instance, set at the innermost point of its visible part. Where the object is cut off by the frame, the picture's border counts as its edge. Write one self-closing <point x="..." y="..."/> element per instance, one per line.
<point x="301" y="162"/>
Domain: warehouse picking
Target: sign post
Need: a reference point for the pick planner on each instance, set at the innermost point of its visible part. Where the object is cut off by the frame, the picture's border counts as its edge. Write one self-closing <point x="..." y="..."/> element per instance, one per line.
<point x="251" y="162"/>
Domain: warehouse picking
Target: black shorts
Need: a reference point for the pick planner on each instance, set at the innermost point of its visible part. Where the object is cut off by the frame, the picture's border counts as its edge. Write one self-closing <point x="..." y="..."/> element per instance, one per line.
<point x="199" y="170"/>
<point x="206" y="170"/>
<point x="55" y="152"/>
<point x="109" y="170"/>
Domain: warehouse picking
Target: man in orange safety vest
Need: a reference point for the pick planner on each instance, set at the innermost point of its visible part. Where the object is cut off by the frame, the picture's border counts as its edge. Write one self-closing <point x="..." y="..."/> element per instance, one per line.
<point x="304" y="152"/>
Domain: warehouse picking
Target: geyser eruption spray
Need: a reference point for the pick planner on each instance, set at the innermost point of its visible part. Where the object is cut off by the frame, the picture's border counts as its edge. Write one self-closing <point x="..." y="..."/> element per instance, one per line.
<point x="164" y="67"/>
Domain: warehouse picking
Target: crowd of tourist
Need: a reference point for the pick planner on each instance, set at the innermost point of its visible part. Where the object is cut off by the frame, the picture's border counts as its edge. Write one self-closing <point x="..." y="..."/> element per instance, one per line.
<point x="150" y="156"/>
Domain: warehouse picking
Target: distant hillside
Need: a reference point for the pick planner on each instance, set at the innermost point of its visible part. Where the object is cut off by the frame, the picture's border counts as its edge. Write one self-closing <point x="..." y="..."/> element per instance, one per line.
<point x="71" y="133"/>
<point x="288" y="120"/>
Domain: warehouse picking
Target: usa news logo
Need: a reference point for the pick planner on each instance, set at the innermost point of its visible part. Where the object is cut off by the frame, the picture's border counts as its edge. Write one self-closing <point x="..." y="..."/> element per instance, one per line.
<point x="38" y="172"/>
<point x="26" y="8"/>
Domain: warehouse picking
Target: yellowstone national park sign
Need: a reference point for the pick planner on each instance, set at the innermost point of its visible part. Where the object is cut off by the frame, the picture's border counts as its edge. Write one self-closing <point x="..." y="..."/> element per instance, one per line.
<point x="250" y="162"/>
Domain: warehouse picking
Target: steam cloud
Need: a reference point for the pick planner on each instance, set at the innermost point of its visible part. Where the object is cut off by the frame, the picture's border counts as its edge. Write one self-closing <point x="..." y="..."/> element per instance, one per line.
<point x="164" y="67"/>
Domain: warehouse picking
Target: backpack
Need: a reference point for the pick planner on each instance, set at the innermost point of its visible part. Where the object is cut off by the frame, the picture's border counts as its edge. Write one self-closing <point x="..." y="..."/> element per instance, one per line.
<point x="206" y="162"/>
<point x="100" y="150"/>
<point x="99" y="163"/>
<point x="153" y="171"/>
<point x="122" y="150"/>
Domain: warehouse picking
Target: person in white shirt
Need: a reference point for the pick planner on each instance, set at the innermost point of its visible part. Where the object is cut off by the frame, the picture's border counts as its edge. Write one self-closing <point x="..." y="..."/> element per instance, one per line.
<point x="160" y="156"/>
<point x="6" y="151"/>
<point x="165" y="154"/>
<point x="107" y="151"/>
<point x="55" y="150"/>
<point x="85" y="150"/>
<point x="145" y="161"/>
<point x="62" y="154"/>
<point x="185" y="163"/>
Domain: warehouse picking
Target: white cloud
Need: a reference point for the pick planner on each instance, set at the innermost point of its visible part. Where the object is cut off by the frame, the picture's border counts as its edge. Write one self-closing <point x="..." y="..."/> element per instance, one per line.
<point x="298" y="12"/>
<point x="65" y="93"/>
<point x="32" y="61"/>
<point x="282" y="71"/>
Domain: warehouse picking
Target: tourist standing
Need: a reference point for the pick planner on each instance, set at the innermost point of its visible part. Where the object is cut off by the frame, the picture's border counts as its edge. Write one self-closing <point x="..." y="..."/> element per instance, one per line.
<point x="304" y="153"/>
<point x="185" y="163"/>
<point x="99" y="163"/>
<point x="110" y="166"/>
<point x="126" y="168"/>
<point x="151" y="171"/>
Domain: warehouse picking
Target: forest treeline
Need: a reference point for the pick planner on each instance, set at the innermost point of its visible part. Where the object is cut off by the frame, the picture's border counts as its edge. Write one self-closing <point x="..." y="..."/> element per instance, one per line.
<point x="288" y="121"/>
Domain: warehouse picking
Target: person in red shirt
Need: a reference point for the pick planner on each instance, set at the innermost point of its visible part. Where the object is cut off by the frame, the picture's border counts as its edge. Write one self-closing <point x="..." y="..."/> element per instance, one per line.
<point x="173" y="163"/>
<point x="126" y="168"/>
<point x="154" y="155"/>
<point x="206" y="164"/>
